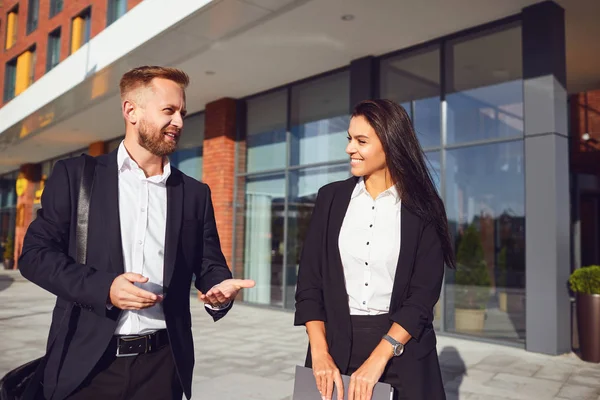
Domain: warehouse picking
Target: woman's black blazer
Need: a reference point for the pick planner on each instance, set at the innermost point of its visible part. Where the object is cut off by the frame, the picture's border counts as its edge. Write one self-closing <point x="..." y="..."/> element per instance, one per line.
<point x="321" y="293"/>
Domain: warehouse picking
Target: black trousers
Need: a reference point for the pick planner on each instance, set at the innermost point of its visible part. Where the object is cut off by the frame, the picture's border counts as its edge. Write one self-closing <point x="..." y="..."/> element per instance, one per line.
<point x="141" y="377"/>
<point x="367" y="332"/>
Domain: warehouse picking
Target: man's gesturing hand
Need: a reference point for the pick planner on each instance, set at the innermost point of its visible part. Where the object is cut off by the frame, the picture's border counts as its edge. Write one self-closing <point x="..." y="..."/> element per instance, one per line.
<point x="125" y="295"/>
<point x="225" y="291"/>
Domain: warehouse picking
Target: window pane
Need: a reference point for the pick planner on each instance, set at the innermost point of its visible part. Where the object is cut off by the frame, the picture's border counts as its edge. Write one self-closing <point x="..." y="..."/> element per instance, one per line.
<point x="188" y="157"/>
<point x="485" y="202"/>
<point x="56" y="6"/>
<point x="413" y="81"/>
<point x="433" y="160"/>
<point x="304" y="185"/>
<point x="116" y="9"/>
<point x="485" y="89"/>
<point x="53" y="56"/>
<point x="10" y="80"/>
<point x="262" y="243"/>
<point x="87" y="28"/>
<point x="266" y="131"/>
<point x="33" y="15"/>
<point x="320" y="119"/>
<point x="8" y="196"/>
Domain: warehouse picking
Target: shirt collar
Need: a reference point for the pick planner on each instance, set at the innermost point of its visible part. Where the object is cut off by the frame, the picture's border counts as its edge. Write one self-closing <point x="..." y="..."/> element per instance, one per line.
<point x="360" y="188"/>
<point x="125" y="162"/>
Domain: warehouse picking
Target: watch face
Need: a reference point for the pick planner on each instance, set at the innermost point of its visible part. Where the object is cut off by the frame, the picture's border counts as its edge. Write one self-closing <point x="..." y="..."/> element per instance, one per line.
<point x="398" y="350"/>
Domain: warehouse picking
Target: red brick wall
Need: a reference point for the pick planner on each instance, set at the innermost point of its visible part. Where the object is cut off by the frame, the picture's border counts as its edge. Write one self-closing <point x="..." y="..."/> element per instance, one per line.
<point x="39" y="37"/>
<point x="218" y="166"/>
<point x="585" y="118"/>
<point x="97" y="149"/>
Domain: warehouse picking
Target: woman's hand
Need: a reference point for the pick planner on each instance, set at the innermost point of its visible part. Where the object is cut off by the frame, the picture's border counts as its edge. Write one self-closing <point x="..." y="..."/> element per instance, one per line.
<point x="326" y="375"/>
<point x="364" y="379"/>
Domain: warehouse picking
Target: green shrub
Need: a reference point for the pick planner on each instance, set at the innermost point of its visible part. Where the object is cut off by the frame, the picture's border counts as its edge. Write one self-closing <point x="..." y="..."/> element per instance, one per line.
<point x="472" y="278"/>
<point x="586" y="280"/>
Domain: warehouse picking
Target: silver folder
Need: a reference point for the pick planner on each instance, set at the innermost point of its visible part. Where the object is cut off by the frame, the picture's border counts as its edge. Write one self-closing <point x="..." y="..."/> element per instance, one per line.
<point x="305" y="387"/>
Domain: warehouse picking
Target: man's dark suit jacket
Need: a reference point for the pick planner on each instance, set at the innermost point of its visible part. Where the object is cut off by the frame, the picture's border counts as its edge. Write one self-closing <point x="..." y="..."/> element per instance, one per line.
<point x="321" y="293"/>
<point x="48" y="259"/>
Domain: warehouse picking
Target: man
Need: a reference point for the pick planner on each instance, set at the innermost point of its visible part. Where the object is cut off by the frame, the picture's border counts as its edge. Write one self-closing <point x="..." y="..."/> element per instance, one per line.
<point x="151" y="228"/>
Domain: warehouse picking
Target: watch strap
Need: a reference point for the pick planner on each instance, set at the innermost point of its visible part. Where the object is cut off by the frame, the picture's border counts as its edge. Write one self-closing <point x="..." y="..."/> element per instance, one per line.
<point x="391" y="340"/>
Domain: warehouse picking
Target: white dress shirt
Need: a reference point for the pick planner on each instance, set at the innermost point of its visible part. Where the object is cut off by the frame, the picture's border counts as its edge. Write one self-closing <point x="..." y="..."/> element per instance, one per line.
<point x="369" y="245"/>
<point x="143" y="219"/>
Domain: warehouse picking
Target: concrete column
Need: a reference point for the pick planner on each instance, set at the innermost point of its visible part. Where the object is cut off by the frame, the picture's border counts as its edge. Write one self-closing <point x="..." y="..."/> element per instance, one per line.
<point x="548" y="229"/>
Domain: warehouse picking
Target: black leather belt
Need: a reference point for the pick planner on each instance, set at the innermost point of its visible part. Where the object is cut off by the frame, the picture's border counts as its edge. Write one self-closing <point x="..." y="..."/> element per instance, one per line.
<point x="134" y="345"/>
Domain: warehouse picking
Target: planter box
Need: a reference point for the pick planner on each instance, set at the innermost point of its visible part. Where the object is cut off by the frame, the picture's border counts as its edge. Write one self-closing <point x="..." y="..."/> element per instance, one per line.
<point x="469" y="321"/>
<point x="588" y="326"/>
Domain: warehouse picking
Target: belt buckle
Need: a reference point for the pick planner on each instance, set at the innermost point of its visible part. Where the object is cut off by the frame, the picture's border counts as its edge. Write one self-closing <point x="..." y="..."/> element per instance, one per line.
<point x="128" y="339"/>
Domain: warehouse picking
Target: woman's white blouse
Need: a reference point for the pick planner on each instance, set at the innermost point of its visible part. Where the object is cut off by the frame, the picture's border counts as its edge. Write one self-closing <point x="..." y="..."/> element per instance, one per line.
<point x="369" y="245"/>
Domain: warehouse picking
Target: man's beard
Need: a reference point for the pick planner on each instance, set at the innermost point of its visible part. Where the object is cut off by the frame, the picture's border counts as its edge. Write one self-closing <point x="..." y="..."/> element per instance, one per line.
<point x="152" y="139"/>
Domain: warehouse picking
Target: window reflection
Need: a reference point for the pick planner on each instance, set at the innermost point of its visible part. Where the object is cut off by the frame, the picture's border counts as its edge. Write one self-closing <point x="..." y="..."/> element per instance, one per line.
<point x="434" y="165"/>
<point x="303" y="188"/>
<point x="188" y="157"/>
<point x="485" y="203"/>
<point x="263" y="240"/>
<point x="319" y="120"/>
<point x="413" y="81"/>
<point x="484" y="86"/>
<point x="266" y="131"/>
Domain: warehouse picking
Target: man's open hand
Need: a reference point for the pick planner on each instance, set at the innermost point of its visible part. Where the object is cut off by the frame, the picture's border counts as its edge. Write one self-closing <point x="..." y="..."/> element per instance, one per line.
<point x="225" y="291"/>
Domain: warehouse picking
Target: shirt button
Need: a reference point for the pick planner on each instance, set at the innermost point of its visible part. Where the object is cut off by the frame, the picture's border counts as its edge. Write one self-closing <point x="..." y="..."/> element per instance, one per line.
<point x="139" y="242"/>
<point x="143" y="209"/>
<point x="366" y="283"/>
<point x="367" y="243"/>
<point x="370" y="226"/>
<point x="366" y="263"/>
<point x="372" y="208"/>
<point x="364" y="302"/>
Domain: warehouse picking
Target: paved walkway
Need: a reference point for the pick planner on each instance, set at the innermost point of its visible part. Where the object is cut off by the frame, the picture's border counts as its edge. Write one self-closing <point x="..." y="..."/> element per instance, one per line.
<point x="252" y="353"/>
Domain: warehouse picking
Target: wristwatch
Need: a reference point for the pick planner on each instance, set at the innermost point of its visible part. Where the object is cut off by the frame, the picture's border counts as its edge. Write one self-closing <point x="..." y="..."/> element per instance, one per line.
<point x="397" y="347"/>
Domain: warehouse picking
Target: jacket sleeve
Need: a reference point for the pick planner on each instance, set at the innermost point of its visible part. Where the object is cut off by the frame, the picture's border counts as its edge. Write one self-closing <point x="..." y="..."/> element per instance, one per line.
<point x="425" y="285"/>
<point x="213" y="269"/>
<point x="309" y="289"/>
<point x="45" y="258"/>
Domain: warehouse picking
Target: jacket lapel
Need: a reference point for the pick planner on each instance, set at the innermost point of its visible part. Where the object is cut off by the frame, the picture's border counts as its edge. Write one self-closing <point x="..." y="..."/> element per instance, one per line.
<point x="174" y="216"/>
<point x="339" y="206"/>
<point x="409" y="232"/>
<point x="108" y="186"/>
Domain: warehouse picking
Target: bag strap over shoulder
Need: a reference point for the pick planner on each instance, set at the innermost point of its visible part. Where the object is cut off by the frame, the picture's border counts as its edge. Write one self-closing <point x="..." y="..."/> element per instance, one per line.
<point x="81" y="231"/>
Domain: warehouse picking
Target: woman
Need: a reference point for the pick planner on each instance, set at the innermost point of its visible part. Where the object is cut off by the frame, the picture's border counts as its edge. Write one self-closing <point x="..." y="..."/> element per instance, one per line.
<point x="372" y="265"/>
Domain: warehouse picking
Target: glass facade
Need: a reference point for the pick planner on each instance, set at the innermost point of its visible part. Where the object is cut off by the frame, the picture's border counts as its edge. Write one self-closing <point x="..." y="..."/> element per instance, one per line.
<point x="188" y="157"/>
<point x="465" y="98"/>
<point x="8" y="204"/>
<point x="295" y="141"/>
<point x="8" y="213"/>
<point x="469" y="120"/>
<point x="413" y="81"/>
<point x="485" y="185"/>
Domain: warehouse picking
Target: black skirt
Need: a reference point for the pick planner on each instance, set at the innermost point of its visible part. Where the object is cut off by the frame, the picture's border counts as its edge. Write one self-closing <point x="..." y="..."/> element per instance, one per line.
<point x="367" y="332"/>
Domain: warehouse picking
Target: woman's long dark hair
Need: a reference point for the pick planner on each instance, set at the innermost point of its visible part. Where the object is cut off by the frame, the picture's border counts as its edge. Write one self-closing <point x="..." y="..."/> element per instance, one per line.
<point x="406" y="163"/>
